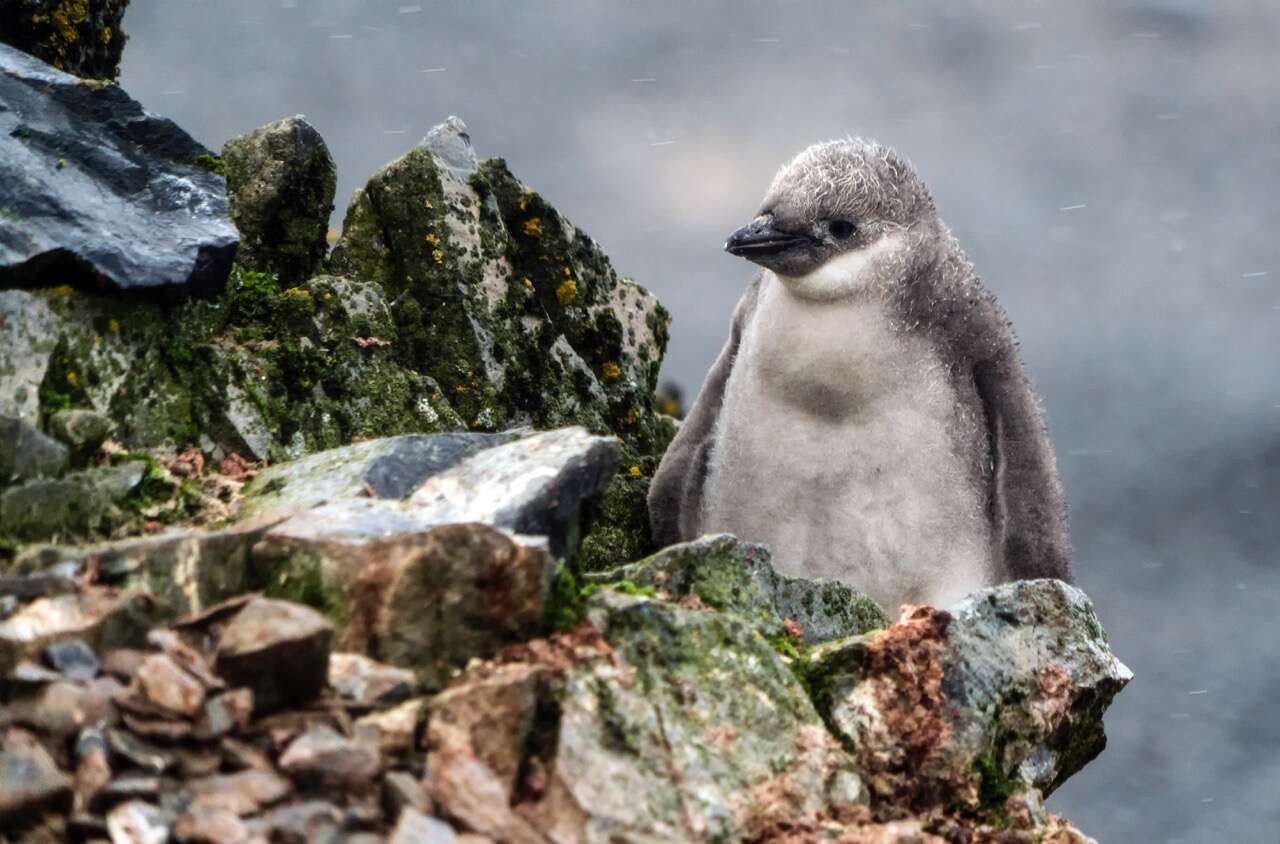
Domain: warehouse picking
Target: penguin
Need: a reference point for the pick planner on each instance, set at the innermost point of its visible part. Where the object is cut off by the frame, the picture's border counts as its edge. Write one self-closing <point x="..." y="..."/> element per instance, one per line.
<point x="869" y="418"/>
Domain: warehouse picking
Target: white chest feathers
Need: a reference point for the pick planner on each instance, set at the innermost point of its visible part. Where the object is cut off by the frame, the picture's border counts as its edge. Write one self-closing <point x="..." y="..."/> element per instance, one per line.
<point x="842" y="446"/>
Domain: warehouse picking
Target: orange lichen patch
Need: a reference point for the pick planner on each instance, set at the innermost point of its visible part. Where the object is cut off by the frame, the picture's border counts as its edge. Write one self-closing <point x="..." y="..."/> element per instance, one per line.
<point x="566" y="293"/>
<point x="904" y="728"/>
<point x="1053" y="705"/>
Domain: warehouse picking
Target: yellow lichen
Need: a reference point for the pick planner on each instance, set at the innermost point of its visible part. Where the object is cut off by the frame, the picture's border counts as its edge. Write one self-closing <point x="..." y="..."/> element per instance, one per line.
<point x="632" y="417"/>
<point x="611" y="371"/>
<point x="634" y="471"/>
<point x="533" y="227"/>
<point x="73" y="379"/>
<point x="114" y="327"/>
<point x="437" y="256"/>
<point x="526" y="282"/>
<point x="296" y="293"/>
<point x="432" y="238"/>
<point x="331" y="235"/>
<point x="566" y="293"/>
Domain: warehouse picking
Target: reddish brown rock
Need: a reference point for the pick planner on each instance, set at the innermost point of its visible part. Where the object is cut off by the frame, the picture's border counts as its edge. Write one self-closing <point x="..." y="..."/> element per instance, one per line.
<point x="169" y="687"/>
<point x="278" y="650"/>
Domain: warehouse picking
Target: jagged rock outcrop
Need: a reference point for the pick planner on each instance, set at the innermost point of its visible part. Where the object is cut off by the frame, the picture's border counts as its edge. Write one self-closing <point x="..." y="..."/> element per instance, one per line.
<point x="96" y="192"/>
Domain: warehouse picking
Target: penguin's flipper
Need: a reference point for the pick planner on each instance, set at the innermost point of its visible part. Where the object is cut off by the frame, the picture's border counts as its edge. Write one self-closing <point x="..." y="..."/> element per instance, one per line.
<point x="1027" y="506"/>
<point x="675" y="495"/>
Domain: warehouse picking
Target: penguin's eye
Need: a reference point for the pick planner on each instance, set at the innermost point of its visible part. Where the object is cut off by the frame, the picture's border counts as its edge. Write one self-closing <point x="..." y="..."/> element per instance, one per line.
<point x="840" y="229"/>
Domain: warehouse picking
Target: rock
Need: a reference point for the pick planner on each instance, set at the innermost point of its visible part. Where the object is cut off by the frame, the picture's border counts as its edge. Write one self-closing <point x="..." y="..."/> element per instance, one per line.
<point x="416" y="828"/>
<point x="137" y="822"/>
<point x="389" y="468"/>
<point x="728" y="574"/>
<point x="103" y="618"/>
<point x="29" y="778"/>
<point x="83" y="431"/>
<point x="100" y="192"/>
<point x="224" y="713"/>
<point x="186" y="570"/>
<point x="141" y="753"/>
<point x="322" y="757"/>
<point x="80" y="504"/>
<point x="434" y="602"/>
<point x="73" y="659"/>
<point x="62" y="708"/>
<point x="300" y="823"/>
<point x="243" y="793"/>
<point x="209" y="825"/>
<point x="394" y="730"/>
<point x="1003" y="693"/>
<point x="635" y="738"/>
<point x="26" y="454"/>
<point x="83" y="38"/>
<point x="169" y="687"/>
<point x="538" y="327"/>
<point x="93" y="770"/>
<point x="536" y="485"/>
<point x="367" y="683"/>
<point x="278" y="650"/>
<point x="281" y="179"/>
<point x="403" y="791"/>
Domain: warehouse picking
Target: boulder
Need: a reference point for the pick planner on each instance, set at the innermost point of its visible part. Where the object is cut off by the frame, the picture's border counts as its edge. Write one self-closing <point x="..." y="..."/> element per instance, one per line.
<point x="281" y="179"/>
<point x="535" y="485"/>
<point x="83" y="431"/>
<point x="100" y="193"/>
<point x="727" y="574"/>
<point x="1002" y="694"/>
<point x="83" y="38"/>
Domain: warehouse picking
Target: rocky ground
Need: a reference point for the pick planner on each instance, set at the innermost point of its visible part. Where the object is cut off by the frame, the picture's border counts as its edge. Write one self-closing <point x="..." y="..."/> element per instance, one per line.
<point x="315" y="537"/>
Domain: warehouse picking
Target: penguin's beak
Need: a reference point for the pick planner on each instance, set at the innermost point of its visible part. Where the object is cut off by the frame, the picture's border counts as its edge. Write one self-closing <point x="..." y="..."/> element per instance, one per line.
<point x="759" y="239"/>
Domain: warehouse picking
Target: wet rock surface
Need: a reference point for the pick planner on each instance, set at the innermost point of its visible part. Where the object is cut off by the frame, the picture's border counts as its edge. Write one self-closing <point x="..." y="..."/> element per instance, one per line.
<point x="101" y="191"/>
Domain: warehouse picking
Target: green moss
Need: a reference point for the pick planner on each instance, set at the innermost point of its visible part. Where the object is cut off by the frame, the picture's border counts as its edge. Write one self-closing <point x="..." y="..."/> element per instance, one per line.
<point x="300" y="578"/>
<point x="994" y="786"/>
<point x="212" y="163"/>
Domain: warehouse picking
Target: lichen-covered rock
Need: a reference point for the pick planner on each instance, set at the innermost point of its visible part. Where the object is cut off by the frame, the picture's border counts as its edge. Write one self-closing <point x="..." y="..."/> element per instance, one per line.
<point x="26" y="454"/>
<point x="734" y="576"/>
<point x="79" y="36"/>
<point x="535" y="485"/>
<point x="97" y="192"/>
<point x="80" y="504"/>
<point x="516" y="313"/>
<point x="624" y="731"/>
<point x="1002" y="694"/>
<point x="282" y="180"/>
<point x="83" y="431"/>
<point x="390" y="468"/>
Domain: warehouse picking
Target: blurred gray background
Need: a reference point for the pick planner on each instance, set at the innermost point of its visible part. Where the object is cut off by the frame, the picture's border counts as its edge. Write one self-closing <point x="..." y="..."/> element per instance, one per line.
<point x="1112" y="168"/>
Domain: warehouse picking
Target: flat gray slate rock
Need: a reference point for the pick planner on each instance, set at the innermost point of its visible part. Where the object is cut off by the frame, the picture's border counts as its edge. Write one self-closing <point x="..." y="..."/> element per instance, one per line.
<point x="95" y="190"/>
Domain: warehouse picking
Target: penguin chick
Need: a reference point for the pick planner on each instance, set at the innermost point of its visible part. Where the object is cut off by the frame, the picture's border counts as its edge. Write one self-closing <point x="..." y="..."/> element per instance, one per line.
<point x="868" y="418"/>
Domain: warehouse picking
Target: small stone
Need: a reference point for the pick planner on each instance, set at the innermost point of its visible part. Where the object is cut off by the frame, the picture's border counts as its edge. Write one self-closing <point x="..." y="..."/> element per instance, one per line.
<point x="414" y="827"/>
<point x="197" y="762"/>
<point x="29" y="672"/>
<point x="226" y="712"/>
<point x="242" y="793"/>
<point x="240" y="755"/>
<point x="29" y="778"/>
<point x="164" y="729"/>
<point x="73" y="658"/>
<point x="103" y="618"/>
<point x="169" y="687"/>
<point x="402" y="790"/>
<point x="202" y="824"/>
<point x="185" y="656"/>
<point x="367" y="683"/>
<point x="137" y="822"/>
<point x="278" y="650"/>
<point x="131" y="786"/>
<point x="140" y="753"/>
<point x="93" y="771"/>
<point x="300" y="823"/>
<point x="62" y="708"/>
<point x="394" y="730"/>
<point x="322" y="756"/>
<point x="122" y="662"/>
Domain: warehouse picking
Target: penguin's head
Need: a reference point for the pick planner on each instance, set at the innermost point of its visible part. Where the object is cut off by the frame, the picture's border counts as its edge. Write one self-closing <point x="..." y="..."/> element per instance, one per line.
<point x="834" y="214"/>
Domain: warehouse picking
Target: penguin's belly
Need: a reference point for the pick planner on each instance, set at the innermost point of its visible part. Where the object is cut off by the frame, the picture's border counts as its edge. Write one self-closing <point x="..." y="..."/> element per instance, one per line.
<point x="843" y="446"/>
